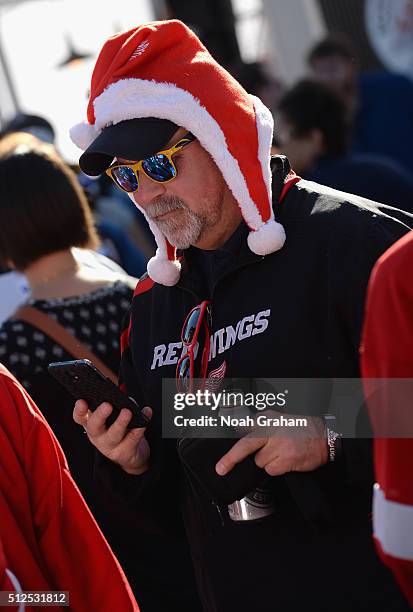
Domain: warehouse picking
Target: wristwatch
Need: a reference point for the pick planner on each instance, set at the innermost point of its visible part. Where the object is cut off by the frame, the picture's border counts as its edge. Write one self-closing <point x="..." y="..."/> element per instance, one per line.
<point x="334" y="440"/>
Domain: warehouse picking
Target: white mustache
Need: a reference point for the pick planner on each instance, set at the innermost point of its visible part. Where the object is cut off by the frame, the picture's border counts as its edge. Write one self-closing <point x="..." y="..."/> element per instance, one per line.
<point x="163" y="206"/>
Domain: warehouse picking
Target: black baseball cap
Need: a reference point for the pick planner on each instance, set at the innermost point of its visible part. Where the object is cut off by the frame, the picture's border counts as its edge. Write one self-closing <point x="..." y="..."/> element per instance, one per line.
<point x="133" y="139"/>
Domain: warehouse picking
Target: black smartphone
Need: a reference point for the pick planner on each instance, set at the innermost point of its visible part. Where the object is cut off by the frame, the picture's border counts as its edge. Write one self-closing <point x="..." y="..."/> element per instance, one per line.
<point x="84" y="381"/>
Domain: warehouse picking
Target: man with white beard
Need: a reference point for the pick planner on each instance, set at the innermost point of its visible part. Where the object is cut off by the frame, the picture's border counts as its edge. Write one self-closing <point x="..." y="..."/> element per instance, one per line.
<point x="239" y="235"/>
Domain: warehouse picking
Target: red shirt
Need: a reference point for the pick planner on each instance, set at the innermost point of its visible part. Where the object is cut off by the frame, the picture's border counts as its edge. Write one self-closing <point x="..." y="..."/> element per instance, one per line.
<point x="48" y="537"/>
<point x="387" y="353"/>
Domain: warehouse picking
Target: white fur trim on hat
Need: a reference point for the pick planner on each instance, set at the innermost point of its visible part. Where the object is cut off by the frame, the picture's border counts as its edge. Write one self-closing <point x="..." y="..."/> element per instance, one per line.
<point x="160" y="269"/>
<point x="83" y="134"/>
<point x="265" y="130"/>
<point x="270" y="237"/>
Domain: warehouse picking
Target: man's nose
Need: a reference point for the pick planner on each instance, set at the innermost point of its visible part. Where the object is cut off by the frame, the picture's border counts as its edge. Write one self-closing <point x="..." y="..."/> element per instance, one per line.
<point x="148" y="190"/>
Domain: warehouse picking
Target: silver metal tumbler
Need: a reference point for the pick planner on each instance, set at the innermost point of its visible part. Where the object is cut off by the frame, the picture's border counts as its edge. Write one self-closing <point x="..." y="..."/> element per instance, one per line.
<point x="259" y="503"/>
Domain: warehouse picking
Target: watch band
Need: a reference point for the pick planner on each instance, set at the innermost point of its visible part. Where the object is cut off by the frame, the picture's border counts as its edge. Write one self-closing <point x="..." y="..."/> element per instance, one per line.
<point x="334" y="441"/>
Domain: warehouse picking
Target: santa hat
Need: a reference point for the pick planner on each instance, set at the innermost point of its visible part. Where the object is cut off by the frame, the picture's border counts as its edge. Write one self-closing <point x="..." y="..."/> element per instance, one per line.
<point x="161" y="70"/>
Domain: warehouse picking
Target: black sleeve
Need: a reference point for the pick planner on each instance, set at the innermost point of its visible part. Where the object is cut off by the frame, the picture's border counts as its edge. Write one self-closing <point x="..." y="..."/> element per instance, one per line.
<point x="342" y="490"/>
<point x="149" y="487"/>
<point x="352" y="257"/>
<point x="120" y="485"/>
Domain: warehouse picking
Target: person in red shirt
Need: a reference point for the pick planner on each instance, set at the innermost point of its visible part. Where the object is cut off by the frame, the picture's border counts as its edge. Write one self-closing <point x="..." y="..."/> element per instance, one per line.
<point x="49" y="540"/>
<point x="387" y="353"/>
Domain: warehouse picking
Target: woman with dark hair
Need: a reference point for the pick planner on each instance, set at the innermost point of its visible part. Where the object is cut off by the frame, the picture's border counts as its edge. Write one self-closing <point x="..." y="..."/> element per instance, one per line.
<point x="47" y="233"/>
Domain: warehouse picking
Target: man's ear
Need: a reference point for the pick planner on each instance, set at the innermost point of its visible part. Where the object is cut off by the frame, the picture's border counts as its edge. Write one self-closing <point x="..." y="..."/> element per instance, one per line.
<point x="315" y="136"/>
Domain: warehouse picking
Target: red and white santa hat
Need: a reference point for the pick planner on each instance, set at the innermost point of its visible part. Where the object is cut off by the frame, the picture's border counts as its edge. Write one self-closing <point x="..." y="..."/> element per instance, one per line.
<point x="162" y="70"/>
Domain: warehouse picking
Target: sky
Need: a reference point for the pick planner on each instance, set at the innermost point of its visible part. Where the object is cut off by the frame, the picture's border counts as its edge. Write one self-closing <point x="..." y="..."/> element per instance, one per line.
<point x="33" y="40"/>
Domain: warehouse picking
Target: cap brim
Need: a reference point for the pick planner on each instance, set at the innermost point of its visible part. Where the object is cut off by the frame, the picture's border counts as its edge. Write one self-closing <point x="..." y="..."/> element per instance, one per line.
<point x="133" y="139"/>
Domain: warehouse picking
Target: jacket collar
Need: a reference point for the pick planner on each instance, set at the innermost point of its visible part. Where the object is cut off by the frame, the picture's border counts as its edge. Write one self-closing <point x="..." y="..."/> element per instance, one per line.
<point x="236" y="246"/>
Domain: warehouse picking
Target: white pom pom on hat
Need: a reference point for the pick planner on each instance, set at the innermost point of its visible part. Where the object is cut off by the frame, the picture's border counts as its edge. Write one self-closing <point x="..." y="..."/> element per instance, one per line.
<point x="163" y="270"/>
<point x="162" y="70"/>
<point x="83" y="134"/>
<point x="268" y="238"/>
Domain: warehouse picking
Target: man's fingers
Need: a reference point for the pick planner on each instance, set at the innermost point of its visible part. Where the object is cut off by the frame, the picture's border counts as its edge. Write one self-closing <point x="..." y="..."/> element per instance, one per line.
<point x="277" y="467"/>
<point x="96" y="420"/>
<point x="241" y="449"/>
<point x="117" y="431"/>
<point x="80" y="412"/>
<point x="269" y="452"/>
<point x="128" y="446"/>
<point x="113" y="435"/>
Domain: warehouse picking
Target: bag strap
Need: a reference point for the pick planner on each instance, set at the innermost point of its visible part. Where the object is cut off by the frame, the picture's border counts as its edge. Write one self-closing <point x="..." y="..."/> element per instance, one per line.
<point x="65" y="339"/>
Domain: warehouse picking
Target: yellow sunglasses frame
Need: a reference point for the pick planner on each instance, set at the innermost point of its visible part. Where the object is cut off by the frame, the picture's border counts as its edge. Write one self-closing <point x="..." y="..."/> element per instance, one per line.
<point x="138" y="166"/>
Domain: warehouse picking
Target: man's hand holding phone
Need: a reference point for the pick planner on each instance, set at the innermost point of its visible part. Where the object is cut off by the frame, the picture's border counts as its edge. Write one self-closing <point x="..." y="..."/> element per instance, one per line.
<point x="126" y="447"/>
<point x="116" y="427"/>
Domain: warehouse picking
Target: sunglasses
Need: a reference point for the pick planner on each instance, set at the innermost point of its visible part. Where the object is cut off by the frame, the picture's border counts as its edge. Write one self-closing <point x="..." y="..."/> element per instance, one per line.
<point x="198" y="318"/>
<point x="159" y="167"/>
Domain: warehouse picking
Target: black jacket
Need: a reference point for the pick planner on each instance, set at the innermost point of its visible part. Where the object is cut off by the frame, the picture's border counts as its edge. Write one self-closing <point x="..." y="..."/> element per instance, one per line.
<point x="301" y="311"/>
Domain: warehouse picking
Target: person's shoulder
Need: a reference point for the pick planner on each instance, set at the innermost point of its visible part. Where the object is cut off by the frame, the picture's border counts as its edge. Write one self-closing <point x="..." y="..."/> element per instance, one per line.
<point x="397" y="262"/>
<point x="98" y="268"/>
<point x="15" y="291"/>
<point x="144" y="285"/>
<point x="19" y="414"/>
<point x="127" y="283"/>
<point x="9" y="385"/>
<point x="323" y="204"/>
<point x="333" y="204"/>
<point x="320" y="213"/>
<point x="98" y="264"/>
<point x="6" y="377"/>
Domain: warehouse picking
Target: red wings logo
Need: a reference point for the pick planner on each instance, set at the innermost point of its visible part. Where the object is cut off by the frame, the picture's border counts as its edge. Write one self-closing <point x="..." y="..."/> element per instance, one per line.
<point x="215" y="377"/>
<point x="139" y="50"/>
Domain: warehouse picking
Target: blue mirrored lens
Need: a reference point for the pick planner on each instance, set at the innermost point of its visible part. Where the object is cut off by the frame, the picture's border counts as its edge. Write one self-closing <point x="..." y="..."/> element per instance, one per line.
<point x="184" y="369"/>
<point x="184" y="374"/>
<point x="159" y="168"/>
<point x="125" y="178"/>
<point x="190" y="327"/>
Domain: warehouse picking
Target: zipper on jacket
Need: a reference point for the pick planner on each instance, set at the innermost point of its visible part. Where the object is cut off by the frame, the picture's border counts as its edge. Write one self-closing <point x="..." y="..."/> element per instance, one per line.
<point x="196" y="494"/>
<point x="229" y="272"/>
